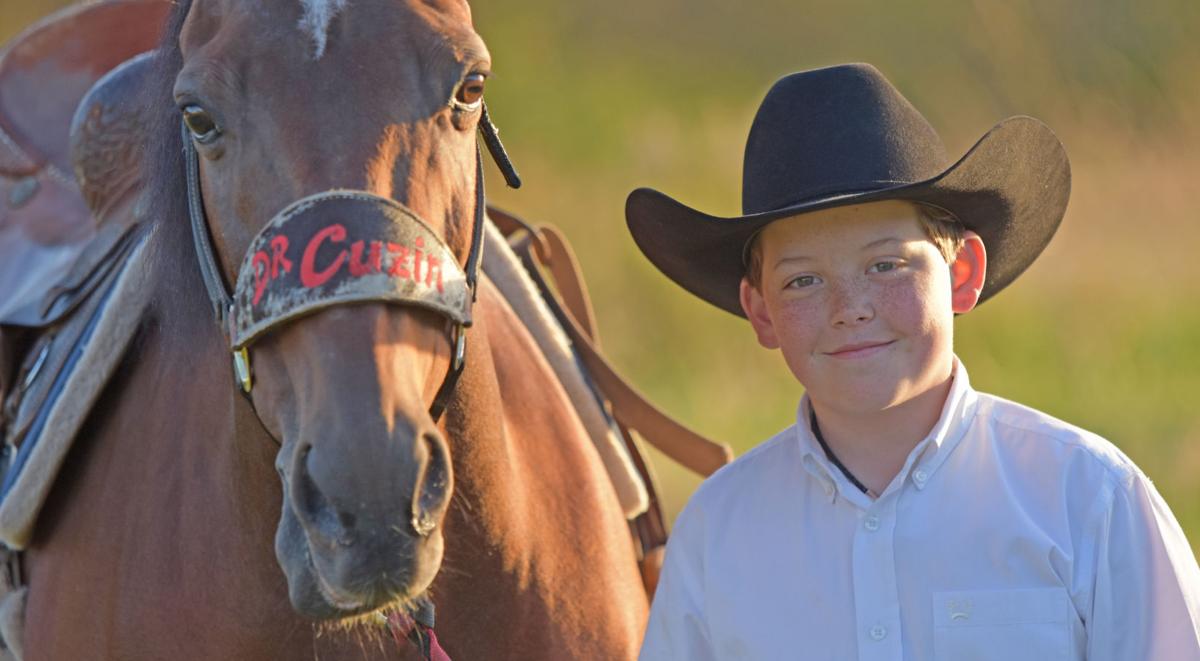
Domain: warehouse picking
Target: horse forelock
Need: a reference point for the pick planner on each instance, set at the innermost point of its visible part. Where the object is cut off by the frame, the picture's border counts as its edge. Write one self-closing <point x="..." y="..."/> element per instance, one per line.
<point x="316" y="19"/>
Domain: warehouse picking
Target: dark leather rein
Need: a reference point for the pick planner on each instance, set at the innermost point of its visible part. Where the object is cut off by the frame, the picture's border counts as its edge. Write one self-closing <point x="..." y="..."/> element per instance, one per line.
<point x="384" y="265"/>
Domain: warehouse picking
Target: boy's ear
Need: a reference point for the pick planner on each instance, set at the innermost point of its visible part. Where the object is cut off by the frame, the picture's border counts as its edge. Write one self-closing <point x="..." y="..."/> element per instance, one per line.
<point x="755" y="308"/>
<point x="967" y="272"/>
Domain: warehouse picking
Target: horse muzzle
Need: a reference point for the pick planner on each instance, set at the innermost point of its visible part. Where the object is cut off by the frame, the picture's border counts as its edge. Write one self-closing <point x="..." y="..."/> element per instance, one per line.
<point x="358" y="536"/>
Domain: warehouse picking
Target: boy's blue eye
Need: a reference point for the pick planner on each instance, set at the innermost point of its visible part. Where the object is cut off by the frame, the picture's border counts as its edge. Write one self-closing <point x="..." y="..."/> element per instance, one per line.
<point x="802" y="281"/>
<point x="883" y="267"/>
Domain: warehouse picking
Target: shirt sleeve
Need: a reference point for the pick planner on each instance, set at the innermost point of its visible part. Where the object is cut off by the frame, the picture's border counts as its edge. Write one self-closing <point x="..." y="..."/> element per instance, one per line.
<point x="1146" y="601"/>
<point x="678" y="628"/>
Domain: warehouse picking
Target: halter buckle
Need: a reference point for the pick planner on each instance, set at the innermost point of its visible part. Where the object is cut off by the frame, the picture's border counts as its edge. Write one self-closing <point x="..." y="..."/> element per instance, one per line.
<point x="241" y="368"/>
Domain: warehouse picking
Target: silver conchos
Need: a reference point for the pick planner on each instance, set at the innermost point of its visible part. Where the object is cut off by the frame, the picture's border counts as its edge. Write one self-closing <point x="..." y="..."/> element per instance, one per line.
<point x="343" y="247"/>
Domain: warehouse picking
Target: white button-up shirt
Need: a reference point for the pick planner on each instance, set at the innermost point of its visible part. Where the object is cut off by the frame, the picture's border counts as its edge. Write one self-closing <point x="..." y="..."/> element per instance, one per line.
<point x="1008" y="535"/>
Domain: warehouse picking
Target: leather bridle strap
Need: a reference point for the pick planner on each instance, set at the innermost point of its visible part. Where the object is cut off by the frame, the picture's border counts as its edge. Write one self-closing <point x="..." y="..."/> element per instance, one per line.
<point x="491" y="138"/>
<point x="210" y="271"/>
<point x="474" y="257"/>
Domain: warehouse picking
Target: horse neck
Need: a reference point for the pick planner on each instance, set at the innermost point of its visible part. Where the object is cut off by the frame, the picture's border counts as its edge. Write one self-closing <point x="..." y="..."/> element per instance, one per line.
<point x="168" y="504"/>
<point x="537" y="549"/>
<point x="172" y="409"/>
<point x="215" y="426"/>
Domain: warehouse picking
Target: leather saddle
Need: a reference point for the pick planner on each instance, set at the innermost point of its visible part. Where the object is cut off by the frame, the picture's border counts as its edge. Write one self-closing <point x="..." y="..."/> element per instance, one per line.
<point x="68" y="182"/>
<point x="66" y="178"/>
<point x="104" y="153"/>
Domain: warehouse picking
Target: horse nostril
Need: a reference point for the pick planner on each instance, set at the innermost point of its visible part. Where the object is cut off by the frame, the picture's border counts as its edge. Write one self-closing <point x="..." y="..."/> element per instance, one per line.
<point x="312" y="506"/>
<point x="433" y="485"/>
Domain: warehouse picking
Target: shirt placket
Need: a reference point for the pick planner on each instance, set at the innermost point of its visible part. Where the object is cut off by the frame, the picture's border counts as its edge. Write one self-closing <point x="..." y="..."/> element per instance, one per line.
<point x="876" y="595"/>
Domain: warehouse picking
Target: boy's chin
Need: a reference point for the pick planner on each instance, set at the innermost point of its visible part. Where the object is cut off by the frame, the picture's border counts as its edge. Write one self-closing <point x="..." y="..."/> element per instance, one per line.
<point x="859" y="398"/>
<point x="874" y="385"/>
<point x="866" y="396"/>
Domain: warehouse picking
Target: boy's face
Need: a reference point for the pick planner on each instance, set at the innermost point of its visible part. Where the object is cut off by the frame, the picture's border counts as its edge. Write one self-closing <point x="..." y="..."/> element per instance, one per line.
<point x="861" y="303"/>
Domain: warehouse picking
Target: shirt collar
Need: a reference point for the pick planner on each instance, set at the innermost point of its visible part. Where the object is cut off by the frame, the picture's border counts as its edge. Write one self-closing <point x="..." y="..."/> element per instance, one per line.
<point x="924" y="460"/>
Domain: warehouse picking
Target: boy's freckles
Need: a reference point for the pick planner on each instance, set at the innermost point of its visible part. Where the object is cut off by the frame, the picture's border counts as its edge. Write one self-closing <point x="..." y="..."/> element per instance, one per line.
<point x="858" y="300"/>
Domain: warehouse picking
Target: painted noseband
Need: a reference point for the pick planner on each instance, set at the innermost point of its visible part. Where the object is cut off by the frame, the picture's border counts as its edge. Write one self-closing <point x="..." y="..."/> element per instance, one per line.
<point x="343" y="247"/>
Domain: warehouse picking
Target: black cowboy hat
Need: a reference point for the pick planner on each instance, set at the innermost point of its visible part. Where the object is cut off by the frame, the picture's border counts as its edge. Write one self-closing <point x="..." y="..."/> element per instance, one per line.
<point x="843" y="135"/>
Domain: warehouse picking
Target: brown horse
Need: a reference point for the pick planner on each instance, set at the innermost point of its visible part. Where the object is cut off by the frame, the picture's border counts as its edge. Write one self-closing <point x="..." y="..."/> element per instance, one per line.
<point x="163" y="537"/>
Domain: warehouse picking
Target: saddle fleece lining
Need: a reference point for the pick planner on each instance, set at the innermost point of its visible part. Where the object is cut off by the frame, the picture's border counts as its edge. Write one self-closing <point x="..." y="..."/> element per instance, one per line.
<point x="503" y="267"/>
<point x="116" y="327"/>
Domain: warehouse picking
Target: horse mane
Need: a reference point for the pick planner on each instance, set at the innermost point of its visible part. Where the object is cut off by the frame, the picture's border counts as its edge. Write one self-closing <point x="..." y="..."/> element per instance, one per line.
<point x="164" y="173"/>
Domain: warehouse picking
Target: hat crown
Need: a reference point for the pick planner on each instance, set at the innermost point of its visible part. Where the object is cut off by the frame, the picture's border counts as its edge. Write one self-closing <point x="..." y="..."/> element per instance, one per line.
<point x="842" y="129"/>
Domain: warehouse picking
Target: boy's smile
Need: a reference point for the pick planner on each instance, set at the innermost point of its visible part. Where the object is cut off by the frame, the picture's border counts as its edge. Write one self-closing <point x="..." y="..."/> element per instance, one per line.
<point x="861" y="303"/>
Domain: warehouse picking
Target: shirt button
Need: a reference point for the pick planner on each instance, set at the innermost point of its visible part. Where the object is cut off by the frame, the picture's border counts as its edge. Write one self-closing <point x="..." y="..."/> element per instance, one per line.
<point x="878" y="632"/>
<point x="871" y="523"/>
<point x="920" y="477"/>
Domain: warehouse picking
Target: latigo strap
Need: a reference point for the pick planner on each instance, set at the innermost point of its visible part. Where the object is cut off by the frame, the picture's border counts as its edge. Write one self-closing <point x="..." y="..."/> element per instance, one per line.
<point x="544" y="249"/>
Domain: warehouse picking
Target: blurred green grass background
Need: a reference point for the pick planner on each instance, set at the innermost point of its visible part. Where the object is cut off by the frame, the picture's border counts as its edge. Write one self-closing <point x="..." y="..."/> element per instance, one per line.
<point x="595" y="99"/>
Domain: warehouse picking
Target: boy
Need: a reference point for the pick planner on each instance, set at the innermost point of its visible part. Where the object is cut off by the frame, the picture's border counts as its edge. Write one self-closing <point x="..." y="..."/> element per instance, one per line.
<point x="904" y="515"/>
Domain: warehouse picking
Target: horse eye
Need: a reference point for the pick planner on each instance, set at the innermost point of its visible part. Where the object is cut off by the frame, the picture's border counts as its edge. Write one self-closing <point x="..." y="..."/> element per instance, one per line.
<point x="471" y="90"/>
<point x="200" y="123"/>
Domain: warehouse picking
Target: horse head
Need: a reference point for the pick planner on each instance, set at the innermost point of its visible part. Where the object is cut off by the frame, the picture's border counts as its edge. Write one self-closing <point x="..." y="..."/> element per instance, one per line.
<point x="338" y="174"/>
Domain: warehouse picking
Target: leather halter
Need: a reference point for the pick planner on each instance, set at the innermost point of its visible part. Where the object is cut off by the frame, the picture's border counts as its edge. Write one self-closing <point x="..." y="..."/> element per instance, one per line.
<point x="232" y="317"/>
<point x="240" y="326"/>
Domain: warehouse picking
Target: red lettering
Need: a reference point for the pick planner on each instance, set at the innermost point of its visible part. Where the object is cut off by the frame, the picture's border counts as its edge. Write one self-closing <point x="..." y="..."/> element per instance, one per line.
<point x="434" y="265"/>
<point x="376" y="256"/>
<point x="398" y="267"/>
<point x="373" y="263"/>
<point x="262" y="274"/>
<point x="417" y="260"/>
<point x="309" y="276"/>
<point x="279" y="246"/>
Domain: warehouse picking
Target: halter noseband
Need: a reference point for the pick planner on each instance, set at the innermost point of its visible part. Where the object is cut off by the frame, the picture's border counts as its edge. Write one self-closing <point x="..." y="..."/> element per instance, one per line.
<point x="389" y="254"/>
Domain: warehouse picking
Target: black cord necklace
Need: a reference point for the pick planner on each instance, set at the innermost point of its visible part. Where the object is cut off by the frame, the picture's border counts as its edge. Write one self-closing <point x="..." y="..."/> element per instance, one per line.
<point x="816" y="429"/>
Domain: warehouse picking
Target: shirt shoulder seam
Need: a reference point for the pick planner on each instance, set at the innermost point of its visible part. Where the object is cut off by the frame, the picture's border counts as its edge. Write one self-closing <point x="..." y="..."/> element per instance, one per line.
<point x="1123" y="472"/>
<point x="776" y="443"/>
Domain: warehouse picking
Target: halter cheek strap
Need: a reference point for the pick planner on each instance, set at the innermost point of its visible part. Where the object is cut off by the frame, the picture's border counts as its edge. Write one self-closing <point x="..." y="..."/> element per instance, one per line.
<point x="210" y="271"/>
<point x="458" y="361"/>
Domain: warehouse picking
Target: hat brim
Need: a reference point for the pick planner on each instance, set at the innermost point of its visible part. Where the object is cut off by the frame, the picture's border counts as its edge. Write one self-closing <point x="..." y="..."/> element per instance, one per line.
<point x="1011" y="188"/>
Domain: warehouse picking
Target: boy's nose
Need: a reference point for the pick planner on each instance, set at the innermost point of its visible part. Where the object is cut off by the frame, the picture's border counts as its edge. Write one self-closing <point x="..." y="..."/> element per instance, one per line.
<point x="850" y="306"/>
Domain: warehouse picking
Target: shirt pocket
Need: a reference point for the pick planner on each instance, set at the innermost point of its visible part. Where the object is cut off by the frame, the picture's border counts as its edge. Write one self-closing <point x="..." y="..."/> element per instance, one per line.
<point x="1002" y="625"/>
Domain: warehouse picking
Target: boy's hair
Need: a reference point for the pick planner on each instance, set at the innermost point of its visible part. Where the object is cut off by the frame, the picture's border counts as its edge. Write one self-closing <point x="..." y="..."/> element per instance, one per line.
<point x="941" y="227"/>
